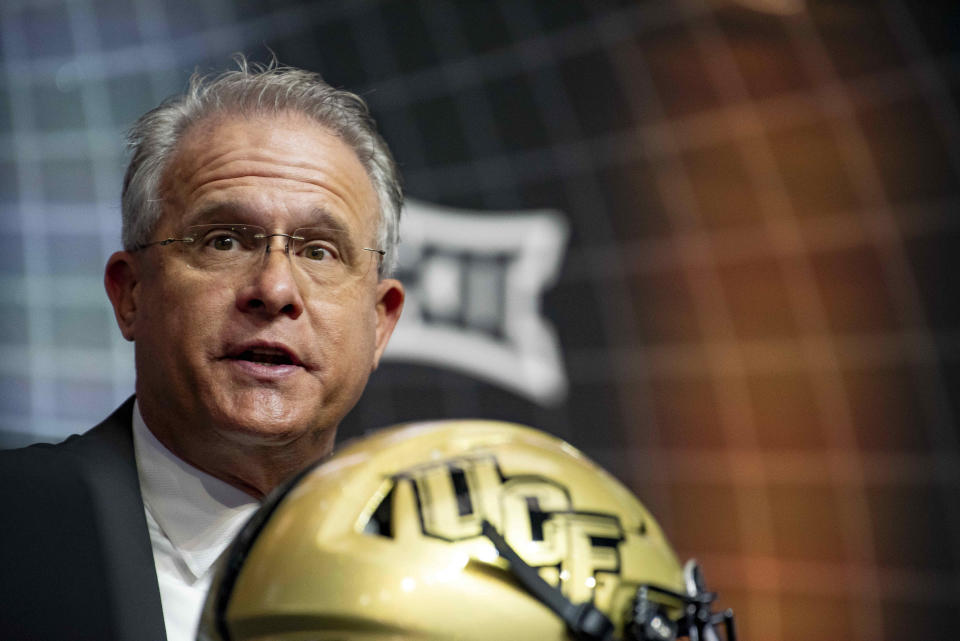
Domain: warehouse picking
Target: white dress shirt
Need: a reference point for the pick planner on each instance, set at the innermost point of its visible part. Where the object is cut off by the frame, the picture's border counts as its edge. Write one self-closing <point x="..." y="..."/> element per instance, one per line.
<point x="192" y="518"/>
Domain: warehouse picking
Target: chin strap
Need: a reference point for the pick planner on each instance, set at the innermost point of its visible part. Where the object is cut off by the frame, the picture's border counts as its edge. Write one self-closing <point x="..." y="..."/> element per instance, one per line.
<point x="585" y="621"/>
<point x="648" y="620"/>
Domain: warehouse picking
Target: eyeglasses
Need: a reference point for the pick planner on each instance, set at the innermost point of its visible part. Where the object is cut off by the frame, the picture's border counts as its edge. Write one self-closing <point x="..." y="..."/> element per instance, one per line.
<point x="326" y="254"/>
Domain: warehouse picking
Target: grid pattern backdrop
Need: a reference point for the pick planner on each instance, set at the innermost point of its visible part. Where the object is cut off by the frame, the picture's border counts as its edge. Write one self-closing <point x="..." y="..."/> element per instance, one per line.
<point x="757" y="306"/>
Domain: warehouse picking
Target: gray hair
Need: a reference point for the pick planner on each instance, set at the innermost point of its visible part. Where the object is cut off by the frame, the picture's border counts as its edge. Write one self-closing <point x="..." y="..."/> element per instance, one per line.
<point x="257" y="90"/>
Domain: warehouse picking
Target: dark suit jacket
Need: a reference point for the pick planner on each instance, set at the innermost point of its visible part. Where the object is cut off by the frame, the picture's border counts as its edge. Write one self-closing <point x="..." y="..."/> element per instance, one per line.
<point x="75" y="555"/>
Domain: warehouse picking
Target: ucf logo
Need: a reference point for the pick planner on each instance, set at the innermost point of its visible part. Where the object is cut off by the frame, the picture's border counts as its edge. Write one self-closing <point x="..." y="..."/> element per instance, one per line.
<point x="569" y="548"/>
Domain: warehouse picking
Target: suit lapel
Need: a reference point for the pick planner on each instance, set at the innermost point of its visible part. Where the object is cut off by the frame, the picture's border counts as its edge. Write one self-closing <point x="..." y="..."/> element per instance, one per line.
<point x="106" y="456"/>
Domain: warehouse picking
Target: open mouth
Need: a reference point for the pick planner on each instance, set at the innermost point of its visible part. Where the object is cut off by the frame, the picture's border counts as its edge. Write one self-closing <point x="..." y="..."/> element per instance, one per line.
<point x="266" y="356"/>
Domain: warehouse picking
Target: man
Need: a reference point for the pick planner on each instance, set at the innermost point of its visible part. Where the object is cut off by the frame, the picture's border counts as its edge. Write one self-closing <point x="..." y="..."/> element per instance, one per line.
<point x="260" y="214"/>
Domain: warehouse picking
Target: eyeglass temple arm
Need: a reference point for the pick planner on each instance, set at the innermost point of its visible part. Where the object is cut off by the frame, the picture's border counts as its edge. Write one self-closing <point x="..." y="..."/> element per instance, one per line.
<point x="163" y="243"/>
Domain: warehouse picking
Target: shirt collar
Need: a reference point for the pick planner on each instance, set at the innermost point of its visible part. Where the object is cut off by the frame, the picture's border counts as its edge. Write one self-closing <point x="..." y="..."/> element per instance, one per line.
<point x="198" y="513"/>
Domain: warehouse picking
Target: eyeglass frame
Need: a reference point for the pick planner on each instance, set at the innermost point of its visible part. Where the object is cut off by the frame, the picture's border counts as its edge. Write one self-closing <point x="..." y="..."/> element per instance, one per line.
<point x="259" y="237"/>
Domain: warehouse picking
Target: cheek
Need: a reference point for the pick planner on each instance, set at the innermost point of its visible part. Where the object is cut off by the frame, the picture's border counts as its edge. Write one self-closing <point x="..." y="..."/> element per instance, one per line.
<point x="179" y="312"/>
<point x="348" y="327"/>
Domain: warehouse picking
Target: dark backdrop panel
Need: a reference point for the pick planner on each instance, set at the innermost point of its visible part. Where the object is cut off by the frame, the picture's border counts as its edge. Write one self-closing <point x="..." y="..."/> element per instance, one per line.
<point x="756" y="306"/>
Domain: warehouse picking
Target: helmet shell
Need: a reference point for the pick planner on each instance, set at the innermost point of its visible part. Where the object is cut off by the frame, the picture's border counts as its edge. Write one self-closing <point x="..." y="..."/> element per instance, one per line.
<point x="383" y="541"/>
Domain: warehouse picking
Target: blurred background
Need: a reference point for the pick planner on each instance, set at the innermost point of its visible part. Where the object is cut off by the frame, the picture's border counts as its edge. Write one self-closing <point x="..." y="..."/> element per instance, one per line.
<point x="713" y="244"/>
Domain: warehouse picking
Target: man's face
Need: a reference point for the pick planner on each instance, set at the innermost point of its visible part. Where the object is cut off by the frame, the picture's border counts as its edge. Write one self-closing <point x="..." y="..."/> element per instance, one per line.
<point x="262" y="353"/>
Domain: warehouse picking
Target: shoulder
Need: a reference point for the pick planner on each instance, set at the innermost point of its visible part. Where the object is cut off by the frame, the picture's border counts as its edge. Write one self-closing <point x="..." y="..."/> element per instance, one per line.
<point x="70" y="539"/>
<point x="51" y="465"/>
<point x="79" y="480"/>
<point x="113" y="430"/>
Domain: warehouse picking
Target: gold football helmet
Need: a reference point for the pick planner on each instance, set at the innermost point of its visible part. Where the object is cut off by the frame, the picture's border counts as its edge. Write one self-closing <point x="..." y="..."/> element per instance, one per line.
<point x="457" y="530"/>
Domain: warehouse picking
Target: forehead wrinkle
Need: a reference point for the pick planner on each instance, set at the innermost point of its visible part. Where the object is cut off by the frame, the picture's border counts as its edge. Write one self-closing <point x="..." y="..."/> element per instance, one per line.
<point x="281" y="169"/>
<point x="202" y="167"/>
<point x="198" y="164"/>
<point x="349" y="195"/>
<point x="341" y="193"/>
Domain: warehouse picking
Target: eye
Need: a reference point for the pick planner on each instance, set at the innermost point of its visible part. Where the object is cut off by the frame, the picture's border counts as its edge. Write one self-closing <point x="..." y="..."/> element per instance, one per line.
<point x="314" y="252"/>
<point x="222" y="242"/>
<point x="227" y="238"/>
<point x="317" y="245"/>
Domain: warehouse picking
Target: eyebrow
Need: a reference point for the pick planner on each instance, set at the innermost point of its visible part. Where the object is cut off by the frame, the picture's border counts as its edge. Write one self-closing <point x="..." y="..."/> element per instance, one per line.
<point x="321" y="217"/>
<point x="222" y="213"/>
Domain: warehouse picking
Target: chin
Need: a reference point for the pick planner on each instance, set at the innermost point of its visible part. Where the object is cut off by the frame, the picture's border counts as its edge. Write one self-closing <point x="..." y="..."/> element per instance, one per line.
<point x="266" y="419"/>
<point x="253" y="431"/>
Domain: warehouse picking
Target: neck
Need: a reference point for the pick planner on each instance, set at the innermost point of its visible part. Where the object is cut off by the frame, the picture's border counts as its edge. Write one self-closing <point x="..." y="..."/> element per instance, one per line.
<point x="252" y="465"/>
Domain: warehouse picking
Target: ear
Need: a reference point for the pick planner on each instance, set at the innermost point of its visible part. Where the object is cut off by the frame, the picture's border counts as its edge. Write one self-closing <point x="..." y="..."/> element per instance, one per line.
<point x="120" y="279"/>
<point x="390" y="297"/>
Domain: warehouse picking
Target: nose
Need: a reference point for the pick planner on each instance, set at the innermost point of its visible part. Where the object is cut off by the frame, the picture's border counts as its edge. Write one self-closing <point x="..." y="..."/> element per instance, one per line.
<point x="271" y="288"/>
